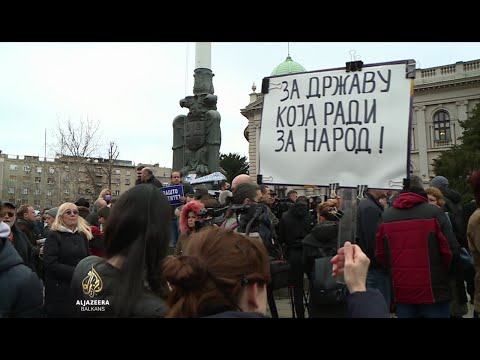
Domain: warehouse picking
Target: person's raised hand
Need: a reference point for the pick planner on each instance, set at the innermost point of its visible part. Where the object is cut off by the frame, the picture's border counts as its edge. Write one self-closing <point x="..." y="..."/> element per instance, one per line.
<point x="355" y="267"/>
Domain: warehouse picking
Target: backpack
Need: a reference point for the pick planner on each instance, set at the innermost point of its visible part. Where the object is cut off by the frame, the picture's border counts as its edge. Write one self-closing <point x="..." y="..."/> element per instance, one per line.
<point x="324" y="289"/>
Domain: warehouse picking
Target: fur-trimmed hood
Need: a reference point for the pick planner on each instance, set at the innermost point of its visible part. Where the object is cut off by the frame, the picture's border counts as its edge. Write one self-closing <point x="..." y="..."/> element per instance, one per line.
<point x="194" y="206"/>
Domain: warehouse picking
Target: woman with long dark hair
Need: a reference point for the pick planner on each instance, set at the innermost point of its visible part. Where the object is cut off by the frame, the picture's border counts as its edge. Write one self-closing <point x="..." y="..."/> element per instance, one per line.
<point x="128" y="282"/>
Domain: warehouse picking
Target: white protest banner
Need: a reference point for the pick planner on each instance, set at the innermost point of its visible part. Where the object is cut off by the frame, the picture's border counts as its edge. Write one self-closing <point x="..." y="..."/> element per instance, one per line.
<point x="216" y="176"/>
<point x="334" y="126"/>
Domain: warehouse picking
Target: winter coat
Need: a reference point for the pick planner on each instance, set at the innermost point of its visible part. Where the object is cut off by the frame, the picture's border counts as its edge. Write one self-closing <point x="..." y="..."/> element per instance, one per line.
<point x="367" y="304"/>
<point x="294" y="225"/>
<point x="369" y="214"/>
<point x="155" y="182"/>
<point x="93" y="287"/>
<point x="20" y="288"/>
<point x="416" y="244"/>
<point x="321" y="242"/>
<point x="24" y="247"/>
<point x="62" y="252"/>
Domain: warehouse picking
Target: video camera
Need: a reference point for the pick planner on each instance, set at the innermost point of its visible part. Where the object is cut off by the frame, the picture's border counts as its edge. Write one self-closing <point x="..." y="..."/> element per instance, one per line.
<point x="280" y="206"/>
<point x="210" y="216"/>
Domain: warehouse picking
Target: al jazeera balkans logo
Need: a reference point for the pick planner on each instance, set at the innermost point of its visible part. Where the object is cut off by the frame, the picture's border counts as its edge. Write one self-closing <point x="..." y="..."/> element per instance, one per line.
<point x="92" y="284"/>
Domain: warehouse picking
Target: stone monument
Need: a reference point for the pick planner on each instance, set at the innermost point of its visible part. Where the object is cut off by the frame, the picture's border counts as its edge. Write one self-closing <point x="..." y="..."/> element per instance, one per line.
<point x="197" y="135"/>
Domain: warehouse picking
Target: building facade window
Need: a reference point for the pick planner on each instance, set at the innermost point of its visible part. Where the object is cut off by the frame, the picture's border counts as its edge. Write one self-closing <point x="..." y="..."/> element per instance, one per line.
<point x="36" y="202"/>
<point x="51" y="170"/>
<point x="49" y="180"/>
<point x="11" y="190"/>
<point x="49" y="192"/>
<point x="66" y="192"/>
<point x="24" y="191"/>
<point x="26" y="168"/>
<point x="39" y="169"/>
<point x="127" y="172"/>
<point x="441" y="126"/>
<point x="38" y="179"/>
<point x="116" y="192"/>
<point x="117" y="171"/>
<point x="127" y="181"/>
<point x="13" y="178"/>
<point x="38" y="192"/>
<point x="13" y="167"/>
<point x="67" y="168"/>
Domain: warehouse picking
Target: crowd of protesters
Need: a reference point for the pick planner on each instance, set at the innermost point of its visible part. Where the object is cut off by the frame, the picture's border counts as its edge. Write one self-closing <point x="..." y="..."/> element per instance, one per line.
<point x="417" y="253"/>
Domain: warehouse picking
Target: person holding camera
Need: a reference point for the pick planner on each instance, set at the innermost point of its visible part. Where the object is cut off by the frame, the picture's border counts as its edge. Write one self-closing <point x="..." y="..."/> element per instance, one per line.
<point x="188" y="218"/>
<point x="293" y="228"/>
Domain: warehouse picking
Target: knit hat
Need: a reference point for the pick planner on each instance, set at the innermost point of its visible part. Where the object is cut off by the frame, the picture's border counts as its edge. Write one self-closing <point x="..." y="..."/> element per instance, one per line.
<point x="440" y="182"/>
<point x="53" y="212"/>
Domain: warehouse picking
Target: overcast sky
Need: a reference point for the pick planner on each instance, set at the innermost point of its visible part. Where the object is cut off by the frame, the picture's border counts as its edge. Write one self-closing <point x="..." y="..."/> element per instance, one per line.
<point x="134" y="89"/>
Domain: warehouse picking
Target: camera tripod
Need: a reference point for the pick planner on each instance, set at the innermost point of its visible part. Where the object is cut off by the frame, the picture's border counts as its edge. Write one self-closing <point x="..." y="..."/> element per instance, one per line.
<point x="306" y="299"/>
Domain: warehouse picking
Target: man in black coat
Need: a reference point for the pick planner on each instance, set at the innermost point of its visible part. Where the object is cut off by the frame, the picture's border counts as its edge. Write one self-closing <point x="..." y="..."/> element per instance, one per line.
<point x="20" y="241"/>
<point x="369" y="214"/>
<point x="148" y="178"/>
<point x="294" y="226"/>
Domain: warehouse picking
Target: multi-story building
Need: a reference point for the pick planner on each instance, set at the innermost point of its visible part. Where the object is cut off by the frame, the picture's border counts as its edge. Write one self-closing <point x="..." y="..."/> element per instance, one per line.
<point x="43" y="182"/>
<point x="443" y="96"/>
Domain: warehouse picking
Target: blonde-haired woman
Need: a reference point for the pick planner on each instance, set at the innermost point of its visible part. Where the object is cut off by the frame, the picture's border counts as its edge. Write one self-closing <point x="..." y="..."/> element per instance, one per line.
<point x="65" y="246"/>
<point x="106" y="194"/>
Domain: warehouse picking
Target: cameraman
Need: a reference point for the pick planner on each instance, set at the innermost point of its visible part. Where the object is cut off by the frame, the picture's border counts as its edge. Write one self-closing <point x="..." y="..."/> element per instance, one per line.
<point x="267" y="199"/>
<point x="250" y="194"/>
<point x="294" y="226"/>
<point x="244" y="194"/>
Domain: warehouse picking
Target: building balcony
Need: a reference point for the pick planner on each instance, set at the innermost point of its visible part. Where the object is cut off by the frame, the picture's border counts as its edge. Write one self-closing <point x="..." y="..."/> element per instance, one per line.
<point x="460" y="71"/>
<point x="442" y="143"/>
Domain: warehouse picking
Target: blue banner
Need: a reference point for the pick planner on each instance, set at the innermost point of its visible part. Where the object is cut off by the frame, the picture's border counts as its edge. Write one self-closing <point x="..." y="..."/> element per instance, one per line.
<point x="173" y="193"/>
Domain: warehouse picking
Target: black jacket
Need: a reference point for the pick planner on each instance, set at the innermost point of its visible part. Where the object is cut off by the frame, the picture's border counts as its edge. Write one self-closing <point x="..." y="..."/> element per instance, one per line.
<point x="367" y="304"/>
<point x="26" y="226"/>
<point x="369" y="214"/>
<point x="294" y="225"/>
<point x="321" y="242"/>
<point x="20" y="288"/>
<point x="24" y="247"/>
<point x="62" y="252"/>
<point x="98" y="287"/>
<point x="155" y="182"/>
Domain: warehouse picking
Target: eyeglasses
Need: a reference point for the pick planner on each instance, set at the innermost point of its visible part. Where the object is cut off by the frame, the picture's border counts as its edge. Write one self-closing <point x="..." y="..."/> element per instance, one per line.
<point x="70" y="212"/>
<point x="9" y="213"/>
